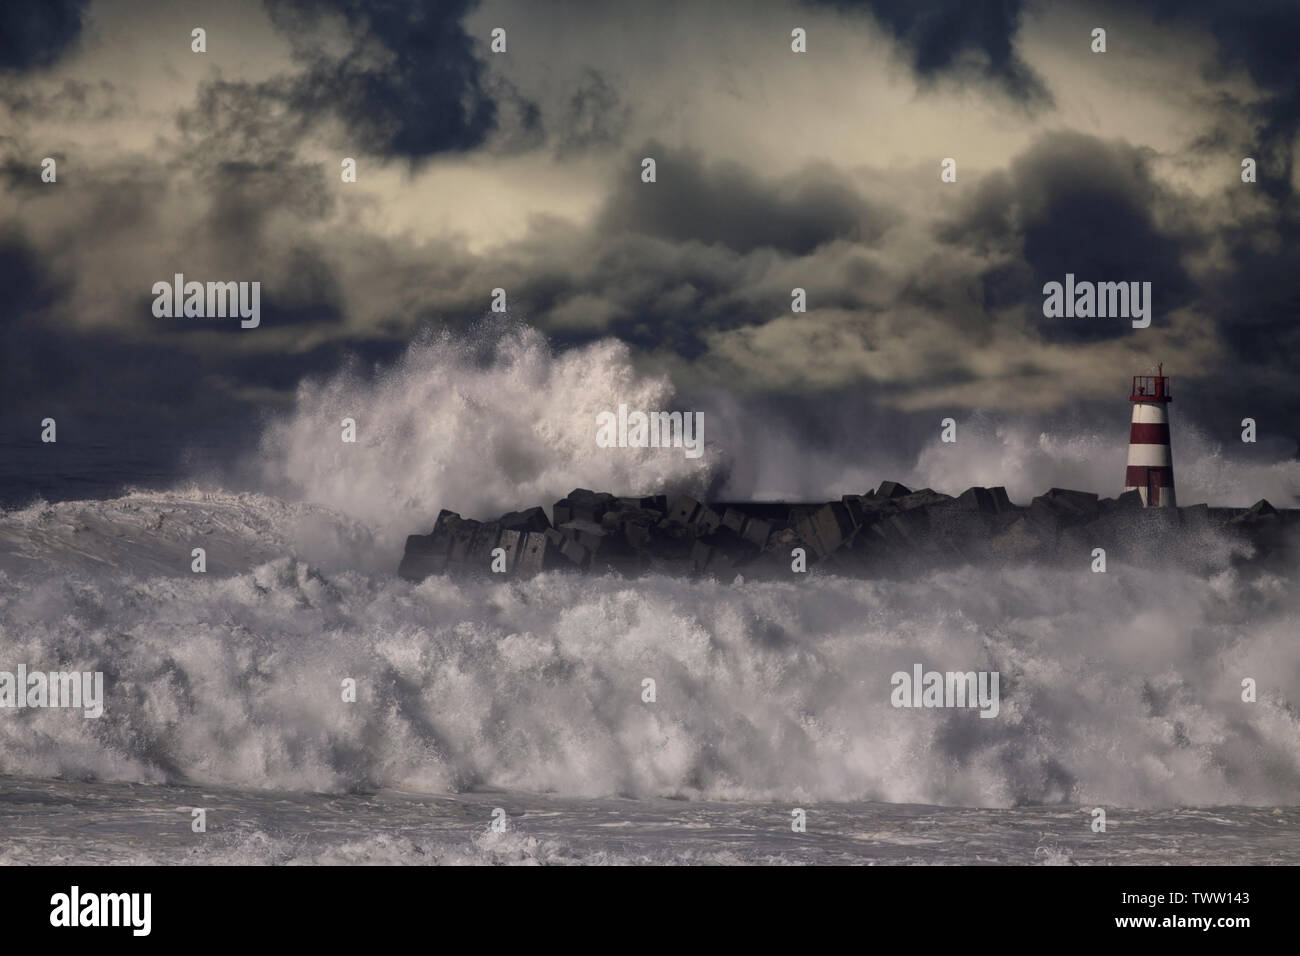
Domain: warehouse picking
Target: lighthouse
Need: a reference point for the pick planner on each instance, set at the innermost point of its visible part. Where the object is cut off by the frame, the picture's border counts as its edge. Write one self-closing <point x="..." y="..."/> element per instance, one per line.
<point x="1150" y="469"/>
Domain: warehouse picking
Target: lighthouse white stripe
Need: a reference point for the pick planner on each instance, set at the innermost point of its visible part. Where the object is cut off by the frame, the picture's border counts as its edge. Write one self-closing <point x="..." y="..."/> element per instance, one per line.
<point x="1151" y="456"/>
<point x="1150" y="414"/>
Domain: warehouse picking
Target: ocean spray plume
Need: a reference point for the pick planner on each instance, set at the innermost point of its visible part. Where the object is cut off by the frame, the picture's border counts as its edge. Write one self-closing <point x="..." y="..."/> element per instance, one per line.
<point x="483" y="420"/>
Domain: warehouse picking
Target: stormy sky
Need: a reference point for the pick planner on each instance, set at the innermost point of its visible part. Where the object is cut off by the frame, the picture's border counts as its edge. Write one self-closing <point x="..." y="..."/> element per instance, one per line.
<point x="521" y="170"/>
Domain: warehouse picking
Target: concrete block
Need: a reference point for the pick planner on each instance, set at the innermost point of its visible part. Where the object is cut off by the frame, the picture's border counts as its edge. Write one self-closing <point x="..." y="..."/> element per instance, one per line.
<point x="892" y="489"/>
<point x="574" y="553"/>
<point x="924" y="498"/>
<point x="757" y="532"/>
<point x="1078" y="504"/>
<point x="589" y="505"/>
<point x="462" y="537"/>
<point x="825" y="529"/>
<point x="637" y="535"/>
<point x="977" y="499"/>
<point x="783" y="539"/>
<point x="535" y="554"/>
<point x="657" y="503"/>
<point x="857" y="509"/>
<point x="1001" y="500"/>
<point x="1129" y="501"/>
<point x="586" y="533"/>
<point x="484" y="542"/>
<point x="683" y="509"/>
<point x="416" y="565"/>
<point x="1260" y="512"/>
<point x="706" y="520"/>
<point x="532" y="519"/>
<point x="512" y="543"/>
<point x="561" y="512"/>
<point x="1059" y="509"/>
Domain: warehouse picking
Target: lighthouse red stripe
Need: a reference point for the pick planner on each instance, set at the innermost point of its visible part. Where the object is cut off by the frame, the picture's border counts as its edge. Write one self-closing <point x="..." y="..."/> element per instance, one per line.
<point x="1143" y="433"/>
<point x="1135" y="476"/>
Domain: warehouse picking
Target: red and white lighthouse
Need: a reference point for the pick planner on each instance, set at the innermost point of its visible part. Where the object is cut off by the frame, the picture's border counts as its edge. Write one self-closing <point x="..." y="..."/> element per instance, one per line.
<point x="1150" y="463"/>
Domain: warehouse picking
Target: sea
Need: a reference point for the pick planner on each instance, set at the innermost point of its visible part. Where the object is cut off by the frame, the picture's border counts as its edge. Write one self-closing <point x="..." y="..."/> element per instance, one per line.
<point x="298" y="703"/>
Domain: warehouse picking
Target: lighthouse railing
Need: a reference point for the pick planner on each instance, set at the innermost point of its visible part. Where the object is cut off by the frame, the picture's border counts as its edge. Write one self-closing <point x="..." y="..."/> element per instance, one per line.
<point x="1150" y="388"/>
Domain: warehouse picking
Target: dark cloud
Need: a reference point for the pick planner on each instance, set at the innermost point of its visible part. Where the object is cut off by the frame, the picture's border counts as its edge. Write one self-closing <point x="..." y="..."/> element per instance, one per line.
<point x="945" y="37"/>
<point x="236" y="121"/>
<point x="1259" y="299"/>
<point x="670" y="297"/>
<point x="71" y="101"/>
<point x="517" y="123"/>
<point x="1262" y="40"/>
<point x="1256" y="307"/>
<point x="1074" y="204"/>
<point x="18" y="174"/>
<point x="728" y="204"/>
<point x="662" y="295"/>
<point x="593" y="117"/>
<point x="35" y="34"/>
<point x="244" y="196"/>
<point x="403" y="80"/>
<point x="408" y="84"/>
<point x="240" y="145"/>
